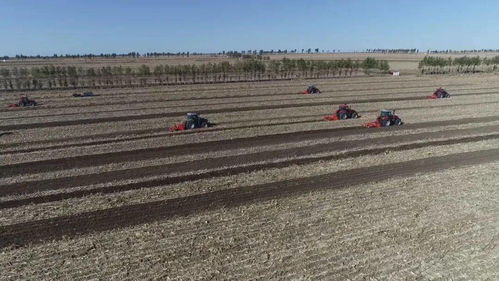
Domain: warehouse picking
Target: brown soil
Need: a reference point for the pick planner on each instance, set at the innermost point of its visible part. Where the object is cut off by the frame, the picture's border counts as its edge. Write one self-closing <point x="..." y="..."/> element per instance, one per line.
<point x="33" y="232"/>
<point x="90" y="189"/>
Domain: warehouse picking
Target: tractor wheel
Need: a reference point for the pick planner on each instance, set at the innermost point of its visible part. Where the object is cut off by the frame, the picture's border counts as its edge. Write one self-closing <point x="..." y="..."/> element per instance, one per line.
<point x="205" y="125"/>
<point x="355" y="115"/>
<point x="192" y="126"/>
<point x="386" y="123"/>
<point x="398" y="122"/>
<point x="343" y="116"/>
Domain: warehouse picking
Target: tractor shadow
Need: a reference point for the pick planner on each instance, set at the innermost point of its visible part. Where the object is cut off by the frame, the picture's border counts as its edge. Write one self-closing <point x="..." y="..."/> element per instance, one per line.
<point x="5" y="133"/>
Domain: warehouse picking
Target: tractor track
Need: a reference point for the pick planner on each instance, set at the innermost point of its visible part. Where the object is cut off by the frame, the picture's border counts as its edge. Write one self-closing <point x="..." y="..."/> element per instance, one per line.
<point x="133" y="102"/>
<point x="153" y="133"/>
<point x="227" y="103"/>
<point x="221" y="164"/>
<point x="260" y="84"/>
<point x="75" y="114"/>
<point x="212" y="146"/>
<point x="259" y="95"/>
<point x="64" y="98"/>
<point x="22" y="234"/>
<point x="255" y="86"/>
<point x="181" y="92"/>
<point x="207" y="111"/>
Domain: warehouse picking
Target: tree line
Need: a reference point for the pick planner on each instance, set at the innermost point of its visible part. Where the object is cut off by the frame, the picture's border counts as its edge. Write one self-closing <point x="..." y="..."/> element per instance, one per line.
<point x="278" y="51"/>
<point x="240" y="53"/>
<point x="465" y="64"/>
<point x="393" y="51"/>
<point x="159" y="54"/>
<point x="449" y="51"/>
<point x="103" y="55"/>
<point x="230" y="53"/>
<point x="63" y="77"/>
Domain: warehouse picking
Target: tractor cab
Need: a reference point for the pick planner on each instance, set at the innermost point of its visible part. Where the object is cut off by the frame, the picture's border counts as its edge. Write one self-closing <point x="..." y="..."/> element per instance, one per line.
<point x="192" y="116"/>
<point x="24" y="101"/>
<point x="192" y="120"/>
<point x="344" y="107"/>
<point x="195" y="121"/>
<point x="386" y="113"/>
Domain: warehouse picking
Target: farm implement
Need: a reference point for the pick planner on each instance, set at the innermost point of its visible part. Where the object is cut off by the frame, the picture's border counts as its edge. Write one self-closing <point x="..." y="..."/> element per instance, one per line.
<point x="24" y="101"/>
<point x="386" y="118"/>
<point x="194" y="121"/>
<point x="85" y="94"/>
<point x="342" y="113"/>
<point x="440" y="93"/>
<point x="311" y="90"/>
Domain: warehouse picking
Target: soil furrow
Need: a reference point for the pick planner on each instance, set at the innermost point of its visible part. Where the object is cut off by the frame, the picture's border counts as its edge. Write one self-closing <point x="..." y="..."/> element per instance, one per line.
<point x="71" y="226"/>
<point x="162" y="152"/>
<point x="194" y="230"/>
<point x="153" y="133"/>
<point x="68" y="182"/>
<point x="206" y="111"/>
<point x="288" y="95"/>
<point x="254" y="87"/>
<point x="120" y="175"/>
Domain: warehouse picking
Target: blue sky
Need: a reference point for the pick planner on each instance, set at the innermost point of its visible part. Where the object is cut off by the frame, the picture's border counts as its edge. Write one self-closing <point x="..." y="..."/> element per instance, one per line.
<point x="91" y="26"/>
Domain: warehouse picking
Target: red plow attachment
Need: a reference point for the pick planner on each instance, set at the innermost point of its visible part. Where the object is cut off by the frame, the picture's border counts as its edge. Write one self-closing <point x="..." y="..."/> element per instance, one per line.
<point x="373" y="124"/>
<point x="332" y="117"/>
<point x="177" y="127"/>
<point x="308" y="93"/>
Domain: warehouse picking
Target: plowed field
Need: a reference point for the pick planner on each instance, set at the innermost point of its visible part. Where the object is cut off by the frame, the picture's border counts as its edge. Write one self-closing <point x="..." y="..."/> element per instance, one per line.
<point x="97" y="188"/>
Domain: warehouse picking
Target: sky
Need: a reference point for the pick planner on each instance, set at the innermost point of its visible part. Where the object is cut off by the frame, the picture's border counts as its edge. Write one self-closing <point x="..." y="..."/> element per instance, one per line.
<point x="49" y="27"/>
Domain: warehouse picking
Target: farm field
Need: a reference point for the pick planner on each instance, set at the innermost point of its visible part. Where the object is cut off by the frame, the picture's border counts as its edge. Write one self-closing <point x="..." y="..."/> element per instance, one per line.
<point x="97" y="188"/>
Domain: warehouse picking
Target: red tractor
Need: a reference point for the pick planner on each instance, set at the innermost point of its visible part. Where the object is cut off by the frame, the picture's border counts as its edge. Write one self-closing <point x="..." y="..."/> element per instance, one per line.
<point x="23" y="102"/>
<point x="194" y="121"/>
<point x="311" y="90"/>
<point x="440" y="93"/>
<point x="343" y="112"/>
<point x="386" y="118"/>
